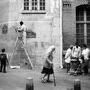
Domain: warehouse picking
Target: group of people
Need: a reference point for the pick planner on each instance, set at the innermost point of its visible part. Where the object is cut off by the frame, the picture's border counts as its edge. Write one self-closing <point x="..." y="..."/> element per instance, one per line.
<point x="77" y="59"/>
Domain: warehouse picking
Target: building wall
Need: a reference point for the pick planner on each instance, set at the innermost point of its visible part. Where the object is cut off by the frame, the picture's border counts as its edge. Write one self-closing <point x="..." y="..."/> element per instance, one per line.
<point x="69" y="21"/>
<point x="44" y="25"/>
<point x="69" y="28"/>
<point x="4" y="16"/>
<point x="4" y="8"/>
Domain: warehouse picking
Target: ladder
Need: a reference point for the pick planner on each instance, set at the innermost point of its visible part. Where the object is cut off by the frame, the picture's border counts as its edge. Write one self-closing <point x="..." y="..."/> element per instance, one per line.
<point x="20" y="57"/>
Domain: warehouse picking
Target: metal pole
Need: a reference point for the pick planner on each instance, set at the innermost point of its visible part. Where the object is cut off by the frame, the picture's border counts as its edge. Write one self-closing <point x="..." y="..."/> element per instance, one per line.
<point x="51" y="29"/>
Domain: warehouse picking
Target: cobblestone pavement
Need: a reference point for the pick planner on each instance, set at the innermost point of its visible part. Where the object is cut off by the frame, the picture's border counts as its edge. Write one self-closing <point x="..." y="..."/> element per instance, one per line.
<point x="15" y="79"/>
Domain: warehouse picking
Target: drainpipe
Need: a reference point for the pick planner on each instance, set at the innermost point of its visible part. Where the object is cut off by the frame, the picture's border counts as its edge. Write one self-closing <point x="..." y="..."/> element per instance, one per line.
<point x="60" y="33"/>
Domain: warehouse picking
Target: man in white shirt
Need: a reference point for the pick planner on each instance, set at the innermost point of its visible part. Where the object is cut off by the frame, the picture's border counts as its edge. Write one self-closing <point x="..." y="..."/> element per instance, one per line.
<point x="85" y="54"/>
<point x="23" y="30"/>
<point x="68" y="57"/>
<point x="76" y="52"/>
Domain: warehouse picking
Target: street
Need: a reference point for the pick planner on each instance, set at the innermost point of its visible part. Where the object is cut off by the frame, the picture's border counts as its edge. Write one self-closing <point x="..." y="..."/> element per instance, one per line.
<point x="15" y="79"/>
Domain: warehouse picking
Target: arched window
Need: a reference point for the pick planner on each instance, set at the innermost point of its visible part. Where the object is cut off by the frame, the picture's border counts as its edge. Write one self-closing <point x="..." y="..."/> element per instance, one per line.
<point x="83" y="24"/>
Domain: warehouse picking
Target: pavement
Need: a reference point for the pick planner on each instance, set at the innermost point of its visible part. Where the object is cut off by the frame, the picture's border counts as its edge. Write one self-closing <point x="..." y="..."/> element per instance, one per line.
<point x="16" y="79"/>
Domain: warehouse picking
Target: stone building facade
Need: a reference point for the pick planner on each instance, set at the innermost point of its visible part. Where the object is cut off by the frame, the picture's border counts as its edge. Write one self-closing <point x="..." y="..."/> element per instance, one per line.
<point x="43" y="18"/>
<point x="76" y="22"/>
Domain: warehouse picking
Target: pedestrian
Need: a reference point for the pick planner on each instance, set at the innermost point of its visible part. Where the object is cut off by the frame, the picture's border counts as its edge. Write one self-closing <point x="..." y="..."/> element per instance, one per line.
<point x="68" y="57"/>
<point x="48" y="64"/>
<point x="75" y="63"/>
<point x="22" y="30"/>
<point x="85" y="54"/>
<point x="3" y="60"/>
<point x="76" y="52"/>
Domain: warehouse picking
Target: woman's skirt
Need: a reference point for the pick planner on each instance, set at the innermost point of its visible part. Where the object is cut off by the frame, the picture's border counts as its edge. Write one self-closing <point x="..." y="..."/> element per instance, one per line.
<point x="47" y="70"/>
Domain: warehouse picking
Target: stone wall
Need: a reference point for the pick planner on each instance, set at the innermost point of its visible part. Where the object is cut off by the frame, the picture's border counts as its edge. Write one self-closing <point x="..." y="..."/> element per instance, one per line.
<point x="44" y="25"/>
<point x="4" y="11"/>
<point x="69" y="20"/>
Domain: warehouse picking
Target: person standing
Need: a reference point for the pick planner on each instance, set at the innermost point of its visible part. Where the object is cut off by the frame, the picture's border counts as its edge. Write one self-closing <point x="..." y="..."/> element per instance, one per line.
<point x="48" y="64"/>
<point x="23" y="30"/>
<point x="68" y="57"/>
<point x="3" y="60"/>
<point x="85" y="54"/>
<point x="76" y="54"/>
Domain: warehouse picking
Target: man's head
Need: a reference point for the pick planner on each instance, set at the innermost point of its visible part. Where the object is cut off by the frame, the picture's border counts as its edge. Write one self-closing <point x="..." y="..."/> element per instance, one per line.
<point x="21" y="23"/>
<point x="53" y="49"/>
<point x="76" y="44"/>
<point x="3" y="50"/>
<point x="71" y="46"/>
<point x="84" y="46"/>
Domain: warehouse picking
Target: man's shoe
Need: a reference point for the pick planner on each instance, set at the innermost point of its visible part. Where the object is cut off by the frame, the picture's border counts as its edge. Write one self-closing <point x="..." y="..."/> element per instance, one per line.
<point x="48" y="80"/>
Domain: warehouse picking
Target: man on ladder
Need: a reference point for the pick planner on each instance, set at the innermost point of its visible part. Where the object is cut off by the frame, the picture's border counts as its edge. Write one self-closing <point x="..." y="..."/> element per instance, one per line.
<point x="20" y="48"/>
<point x="22" y="32"/>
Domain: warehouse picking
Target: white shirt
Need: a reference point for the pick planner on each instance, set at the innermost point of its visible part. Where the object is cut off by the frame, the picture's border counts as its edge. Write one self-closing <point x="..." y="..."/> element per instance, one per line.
<point x="23" y="27"/>
<point x="86" y="53"/>
<point x="76" y="52"/>
<point x="68" y="55"/>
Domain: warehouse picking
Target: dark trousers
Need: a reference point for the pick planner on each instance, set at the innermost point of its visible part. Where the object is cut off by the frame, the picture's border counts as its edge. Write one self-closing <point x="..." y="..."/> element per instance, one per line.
<point x="85" y="67"/>
<point x="68" y="66"/>
<point x="3" y="67"/>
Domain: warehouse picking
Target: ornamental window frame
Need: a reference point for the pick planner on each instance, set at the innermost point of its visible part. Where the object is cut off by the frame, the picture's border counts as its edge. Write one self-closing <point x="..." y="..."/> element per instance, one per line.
<point x="30" y="6"/>
<point x="83" y="24"/>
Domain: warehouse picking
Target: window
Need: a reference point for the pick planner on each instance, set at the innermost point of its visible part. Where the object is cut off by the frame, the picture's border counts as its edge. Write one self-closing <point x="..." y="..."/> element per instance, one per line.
<point x="42" y="4"/>
<point x="26" y="4"/>
<point x="88" y="34"/>
<point x="34" y="5"/>
<point x="80" y="33"/>
<point x="88" y="14"/>
<point x="66" y="4"/>
<point x="83" y="24"/>
<point x="80" y="15"/>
